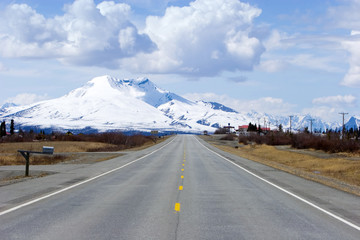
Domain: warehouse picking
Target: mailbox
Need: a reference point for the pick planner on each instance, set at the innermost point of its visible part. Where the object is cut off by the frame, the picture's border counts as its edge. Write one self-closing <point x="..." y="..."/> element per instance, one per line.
<point x="48" y="150"/>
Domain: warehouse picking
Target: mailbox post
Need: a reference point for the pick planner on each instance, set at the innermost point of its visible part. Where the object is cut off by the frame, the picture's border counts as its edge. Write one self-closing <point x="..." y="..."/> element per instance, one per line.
<point x="26" y="155"/>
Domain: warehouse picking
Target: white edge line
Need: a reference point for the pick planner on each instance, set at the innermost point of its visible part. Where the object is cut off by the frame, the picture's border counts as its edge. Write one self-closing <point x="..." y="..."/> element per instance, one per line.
<point x="286" y="191"/>
<point x="80" y="183"/>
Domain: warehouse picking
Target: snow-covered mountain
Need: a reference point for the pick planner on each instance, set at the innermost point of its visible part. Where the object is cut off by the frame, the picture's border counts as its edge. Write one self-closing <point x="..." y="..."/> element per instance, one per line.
<point x="106" y="103"/>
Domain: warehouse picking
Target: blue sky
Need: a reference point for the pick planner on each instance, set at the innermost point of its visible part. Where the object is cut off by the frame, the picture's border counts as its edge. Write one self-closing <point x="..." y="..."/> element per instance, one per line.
<point x="281" y="57"/>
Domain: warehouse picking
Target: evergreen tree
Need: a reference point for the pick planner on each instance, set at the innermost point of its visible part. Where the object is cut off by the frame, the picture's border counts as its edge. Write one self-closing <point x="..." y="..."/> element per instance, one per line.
<point x="12" y="128"/>
<point x="3" y="129"/>
<point x="281" y="128"/>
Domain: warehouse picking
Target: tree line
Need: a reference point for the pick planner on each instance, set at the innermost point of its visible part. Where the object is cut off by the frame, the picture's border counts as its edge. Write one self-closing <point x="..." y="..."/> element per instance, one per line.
<point x="3" y="128"/>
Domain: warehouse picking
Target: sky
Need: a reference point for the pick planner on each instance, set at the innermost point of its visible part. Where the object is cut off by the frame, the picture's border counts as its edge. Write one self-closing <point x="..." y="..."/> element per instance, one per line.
<point x="281" y="57"/>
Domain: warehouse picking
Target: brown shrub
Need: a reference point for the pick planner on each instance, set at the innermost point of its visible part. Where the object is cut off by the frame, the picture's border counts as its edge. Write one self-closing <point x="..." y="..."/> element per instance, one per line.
<point x="229" y="137"/>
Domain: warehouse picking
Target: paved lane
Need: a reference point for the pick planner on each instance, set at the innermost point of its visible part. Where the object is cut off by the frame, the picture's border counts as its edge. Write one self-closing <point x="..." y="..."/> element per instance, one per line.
<point x="184" y="191"/>
<point x="221" y="201"/>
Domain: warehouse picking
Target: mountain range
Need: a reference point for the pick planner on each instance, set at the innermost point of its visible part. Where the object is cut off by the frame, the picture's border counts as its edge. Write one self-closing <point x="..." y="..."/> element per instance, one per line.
<point x="106" y="103"/>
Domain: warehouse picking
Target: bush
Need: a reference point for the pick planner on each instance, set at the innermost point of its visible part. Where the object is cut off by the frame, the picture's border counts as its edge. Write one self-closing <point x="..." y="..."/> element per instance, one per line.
<point x="328" y="143"/>
<point x="229" y="137"/>
<point x="221" y="131"/>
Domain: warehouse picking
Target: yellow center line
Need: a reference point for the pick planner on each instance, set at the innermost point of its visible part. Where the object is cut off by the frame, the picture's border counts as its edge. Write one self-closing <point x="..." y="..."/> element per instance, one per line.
<point x="183" y="164"/>
<point x="182" y="176"/>
<point x="177" y="207"/>
<point x="181" y="188"/>
<point x="182" y="169"/>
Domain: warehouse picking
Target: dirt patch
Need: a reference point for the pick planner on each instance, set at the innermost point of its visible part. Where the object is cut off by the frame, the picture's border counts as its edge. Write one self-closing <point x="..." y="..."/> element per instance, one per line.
<point x="336" y="170"/>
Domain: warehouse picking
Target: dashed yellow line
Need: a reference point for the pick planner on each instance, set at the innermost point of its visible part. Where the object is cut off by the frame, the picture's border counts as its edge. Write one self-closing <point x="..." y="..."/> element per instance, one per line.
<point x="182" y="169"/>
<point x="182" y="176"/>
<point x="181" y="188"/>
<point x="177" y="207"/>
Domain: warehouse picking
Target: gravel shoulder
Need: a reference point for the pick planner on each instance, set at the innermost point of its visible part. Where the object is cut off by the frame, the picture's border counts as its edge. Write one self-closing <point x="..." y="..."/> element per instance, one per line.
<point x="16" y="173"/>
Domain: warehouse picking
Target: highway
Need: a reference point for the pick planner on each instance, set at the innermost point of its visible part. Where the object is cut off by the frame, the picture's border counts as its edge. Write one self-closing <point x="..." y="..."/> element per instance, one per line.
<point x="180" y="189"/>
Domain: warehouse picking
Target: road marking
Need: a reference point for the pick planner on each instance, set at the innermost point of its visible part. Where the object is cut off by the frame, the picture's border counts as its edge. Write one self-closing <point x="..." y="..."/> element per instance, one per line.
<point x="80" y="183"/>
<point x="286" y="191"/>
<point x="177" y="207"/>
<point x="182" y="176"/>
<point x="182" y="169"/>
<point x="181" y="188"/>
<point x="183" y="164"/>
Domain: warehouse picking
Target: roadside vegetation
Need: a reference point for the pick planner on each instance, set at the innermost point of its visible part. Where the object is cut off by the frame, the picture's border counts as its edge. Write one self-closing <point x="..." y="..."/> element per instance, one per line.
<point x="330" y="142"/>
<point x="66" y="143"/>
<point x="326" y="157"/>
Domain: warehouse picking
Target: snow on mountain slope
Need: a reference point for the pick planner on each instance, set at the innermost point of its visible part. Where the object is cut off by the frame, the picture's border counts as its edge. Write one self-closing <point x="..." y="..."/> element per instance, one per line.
<point x="199" y="115"/>
<point x="354" y="123"/>
<point x="103" y="103"/>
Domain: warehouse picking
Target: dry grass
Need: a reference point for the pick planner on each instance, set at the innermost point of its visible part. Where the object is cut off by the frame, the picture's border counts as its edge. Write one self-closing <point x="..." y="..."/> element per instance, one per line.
<point x="344" y="168"/>
<point x="10" y="156"/>
<point x="59" y="147"/>
<point x="9" y="151"/>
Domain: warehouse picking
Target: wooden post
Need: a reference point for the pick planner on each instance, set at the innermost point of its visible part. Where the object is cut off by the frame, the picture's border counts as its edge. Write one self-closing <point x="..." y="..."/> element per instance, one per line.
<point x="26" y="155"/>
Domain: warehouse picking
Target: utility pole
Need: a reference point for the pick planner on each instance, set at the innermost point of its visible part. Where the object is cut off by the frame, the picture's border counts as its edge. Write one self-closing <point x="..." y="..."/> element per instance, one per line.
<point x="264" y="124"/>
<point x="343" y="130"/>
<point x="291" y="116"/>
<point x="311" y="123"/>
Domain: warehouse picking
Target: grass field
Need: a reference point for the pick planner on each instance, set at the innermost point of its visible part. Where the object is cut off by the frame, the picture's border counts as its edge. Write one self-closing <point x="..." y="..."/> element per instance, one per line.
<point x="9" y="151"/>
<point x="10" y="156"/>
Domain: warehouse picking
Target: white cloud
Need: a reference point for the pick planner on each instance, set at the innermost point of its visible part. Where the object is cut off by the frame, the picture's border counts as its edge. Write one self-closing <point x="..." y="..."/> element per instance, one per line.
<point x="272" y="65"/>
<point x="323" y="112"/>
<point x="278" y="40"/>
<point x="345" y="15"/>
<point x="26" y="98"/>
<point x="204" y="38"/>
<point x="352" y="78"/>
<point x="335" y="100"/>
<point x="86" y="34"/>
<point x="313" y="62"/>
<point x="269" y="105"/>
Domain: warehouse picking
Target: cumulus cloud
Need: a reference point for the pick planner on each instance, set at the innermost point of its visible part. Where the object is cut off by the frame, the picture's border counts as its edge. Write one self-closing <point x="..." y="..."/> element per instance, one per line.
<point x="352" y="78"/>
<point x="26" y="98"/>
<point x="204" y="38"/>
<point x="335" y="100"/>
<point x="86" y="34"/>
<point x="269" y="105"/>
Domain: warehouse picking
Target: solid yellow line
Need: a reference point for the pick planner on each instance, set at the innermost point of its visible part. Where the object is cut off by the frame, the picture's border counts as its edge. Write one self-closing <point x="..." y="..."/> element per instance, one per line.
<point x="177" y="207"/>
<point x="181" y="188"/>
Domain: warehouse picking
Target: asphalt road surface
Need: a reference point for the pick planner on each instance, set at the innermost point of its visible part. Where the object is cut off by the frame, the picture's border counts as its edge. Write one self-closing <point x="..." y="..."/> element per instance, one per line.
<point x="180" y="189"/>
